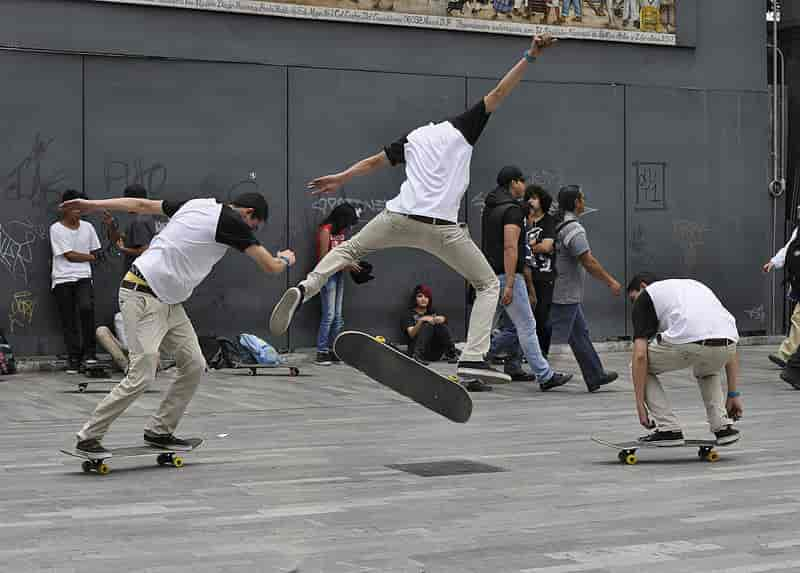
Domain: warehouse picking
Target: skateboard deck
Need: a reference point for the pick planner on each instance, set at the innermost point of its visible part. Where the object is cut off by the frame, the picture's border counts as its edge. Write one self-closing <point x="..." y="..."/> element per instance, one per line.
<point x="627" y="450"/>
<point x="97" y="369"/>
<point x="254" y="368"/>
<point x="404" y="375"/>
<point x="164" y="456"/>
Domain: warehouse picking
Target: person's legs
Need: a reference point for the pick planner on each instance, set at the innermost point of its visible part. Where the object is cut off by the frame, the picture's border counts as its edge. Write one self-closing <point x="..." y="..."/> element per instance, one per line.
<point x="181" y="341"/>
<point x="663" y="357"/>
<point x="338" y="317"/>
<point x="422" y="342"/>
<point x="562" y="317"/>
<point x="327" y="296"/>
<point x="506" y="340"/>
<point x="709" y="361"/>
<point x="519" y="310"/>
<point x="85" y="299"/>
<point x="544" y="300"/>
<point x="146" y="323"/>
<point x="66" y="295"/>
<point x="583" y="349"/>
<point x="792" y="341"/>
<point x="443" y="342"/>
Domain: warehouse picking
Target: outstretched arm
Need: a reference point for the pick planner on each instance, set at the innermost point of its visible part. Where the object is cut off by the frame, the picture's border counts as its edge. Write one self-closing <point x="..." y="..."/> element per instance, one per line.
<point x="129" y="204"/>
<point x="331" y="183"/>
<point x="501" y="91"/>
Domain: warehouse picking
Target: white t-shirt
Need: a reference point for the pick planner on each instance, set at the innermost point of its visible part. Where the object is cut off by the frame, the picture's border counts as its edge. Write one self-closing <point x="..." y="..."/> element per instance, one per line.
<point x="197" y="236"/>
<point x="437" y="158"/>
<point x="688" y="311"/>
<point x="63" y="240"/>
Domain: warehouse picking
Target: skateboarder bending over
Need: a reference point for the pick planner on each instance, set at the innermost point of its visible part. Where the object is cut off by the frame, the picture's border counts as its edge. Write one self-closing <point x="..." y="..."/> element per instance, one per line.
<point x="677" y="324"/>
<point x="425" y="213"/>
<point x="198" y="235"/>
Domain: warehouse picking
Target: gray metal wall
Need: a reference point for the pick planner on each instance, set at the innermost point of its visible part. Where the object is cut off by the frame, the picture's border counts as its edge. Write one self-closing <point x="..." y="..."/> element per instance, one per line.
<point x="670" y="145"/>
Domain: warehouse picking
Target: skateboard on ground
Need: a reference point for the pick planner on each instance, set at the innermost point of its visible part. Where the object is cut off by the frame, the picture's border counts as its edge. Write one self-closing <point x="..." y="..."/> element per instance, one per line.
<point x="254" y="368"/>
<point x="403" y="374"/>
<point x="164" y="456"/>
<point x="97" y="371"/>
<point x="627" y="450"/>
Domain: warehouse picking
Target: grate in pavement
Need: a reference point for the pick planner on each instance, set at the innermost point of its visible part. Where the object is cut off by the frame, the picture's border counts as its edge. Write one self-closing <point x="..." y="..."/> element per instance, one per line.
<point x="446" y="468"/>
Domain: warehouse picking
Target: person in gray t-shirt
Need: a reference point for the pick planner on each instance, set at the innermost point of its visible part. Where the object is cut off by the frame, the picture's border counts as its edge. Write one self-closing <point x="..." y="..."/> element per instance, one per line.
<point x="140" y="230"/>
<point x="573" y="260"/>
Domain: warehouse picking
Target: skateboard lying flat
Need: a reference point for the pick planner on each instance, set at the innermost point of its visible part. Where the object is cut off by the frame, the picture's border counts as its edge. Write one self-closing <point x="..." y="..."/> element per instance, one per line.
<point x="96" y="371"/>
<point x="164" y="456"/>
<point x="403" y="374"/>
<point x="627" y="450"/>
<point x="254" y="368"/>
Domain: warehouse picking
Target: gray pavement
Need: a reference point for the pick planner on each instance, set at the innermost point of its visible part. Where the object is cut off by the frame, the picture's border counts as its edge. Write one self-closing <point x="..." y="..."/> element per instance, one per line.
<point x="302" y="473"/>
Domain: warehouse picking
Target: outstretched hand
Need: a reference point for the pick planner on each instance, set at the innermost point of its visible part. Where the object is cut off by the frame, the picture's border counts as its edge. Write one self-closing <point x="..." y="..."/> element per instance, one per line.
<point x="540" y="43"/>
<point x="326" y="184"/>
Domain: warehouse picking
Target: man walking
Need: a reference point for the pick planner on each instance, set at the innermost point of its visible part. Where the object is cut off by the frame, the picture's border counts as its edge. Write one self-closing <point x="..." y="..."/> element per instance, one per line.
<point x="573" y="259"/>
<point x="151" y="298"/>
<point x="504" y="242"/>
<point x="678" y="324"/>
<point x="424" y="214"/>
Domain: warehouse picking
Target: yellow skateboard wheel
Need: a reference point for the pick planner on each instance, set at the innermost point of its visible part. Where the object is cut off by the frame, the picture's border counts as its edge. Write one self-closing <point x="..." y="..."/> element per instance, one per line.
<point x="631" y="459"/>
<point x="380" y="339"/>
<point x="103" y="469"/>
<point x="712" y="456"/>
<point x="177" y="461"/>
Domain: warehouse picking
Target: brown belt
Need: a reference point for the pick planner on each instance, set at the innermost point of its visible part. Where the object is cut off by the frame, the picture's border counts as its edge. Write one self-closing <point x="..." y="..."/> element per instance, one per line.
<point x="714" y="342"/>
<point x="138" y="287"/>
<point x="430" y="220"/>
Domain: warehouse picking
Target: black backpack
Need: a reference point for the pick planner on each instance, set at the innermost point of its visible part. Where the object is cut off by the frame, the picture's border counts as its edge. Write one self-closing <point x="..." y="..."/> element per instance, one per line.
<point x="792" y="266"/>
<point x="8" y="365"/>
<point x="230" y="355"/>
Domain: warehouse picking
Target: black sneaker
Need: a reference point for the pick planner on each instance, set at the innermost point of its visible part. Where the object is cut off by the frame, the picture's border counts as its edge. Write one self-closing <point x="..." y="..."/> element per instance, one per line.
<point x="481" y="370"/>
<point x="777" y="360"/>
<point x="606" y="378"/>
<point x="521" y="376"/>
<point x="166" y="441"/>
<point x="73" y="367"/>
<point x="787" y="377"/>
<point x="93" y="448"/>
<point x="282" y="314"/>
<point x="665" y="438"/>
<point x="323" y="359"/>
<point x="727" y="435"/>
<point x="452" y="355"/>
<point x="556" y="380"/>
<point x="475" y="385"/>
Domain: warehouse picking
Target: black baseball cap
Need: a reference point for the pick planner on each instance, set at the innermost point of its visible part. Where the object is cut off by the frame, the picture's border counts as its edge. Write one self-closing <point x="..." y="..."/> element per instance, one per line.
<point x="508" y="174"/>
<point x="568" y="196"/>
<point x="254" y="201"/>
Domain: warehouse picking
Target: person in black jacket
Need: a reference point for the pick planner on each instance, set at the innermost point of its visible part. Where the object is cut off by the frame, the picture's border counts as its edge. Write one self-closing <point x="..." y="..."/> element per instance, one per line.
<point x="427" y="332"/>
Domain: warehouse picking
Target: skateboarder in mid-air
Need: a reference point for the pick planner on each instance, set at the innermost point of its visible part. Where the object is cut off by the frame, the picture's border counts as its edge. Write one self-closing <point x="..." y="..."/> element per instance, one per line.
<point x="678" y="324"/>
<point x="198" y="235"/>
<point x="424" y="214"/>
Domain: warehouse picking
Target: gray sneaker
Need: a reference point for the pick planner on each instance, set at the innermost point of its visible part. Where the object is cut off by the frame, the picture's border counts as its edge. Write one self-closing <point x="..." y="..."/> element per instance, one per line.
<point x="167" y="441"/>
<point x="92" y="448"/>
<point x="284" y="311"/>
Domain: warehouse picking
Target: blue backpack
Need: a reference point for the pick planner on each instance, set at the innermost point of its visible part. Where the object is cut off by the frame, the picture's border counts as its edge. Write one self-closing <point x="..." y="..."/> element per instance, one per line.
<point x="261" y="350"/>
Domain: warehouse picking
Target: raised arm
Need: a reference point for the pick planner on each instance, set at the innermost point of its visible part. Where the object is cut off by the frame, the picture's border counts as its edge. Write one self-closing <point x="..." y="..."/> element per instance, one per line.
<point x="494" y="98"/>
<point x="331" y="183"/>
<point x="129" y="204"/>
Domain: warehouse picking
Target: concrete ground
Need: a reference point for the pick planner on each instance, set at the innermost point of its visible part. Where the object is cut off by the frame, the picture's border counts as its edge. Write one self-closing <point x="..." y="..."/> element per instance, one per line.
<point x="302" y="473"/>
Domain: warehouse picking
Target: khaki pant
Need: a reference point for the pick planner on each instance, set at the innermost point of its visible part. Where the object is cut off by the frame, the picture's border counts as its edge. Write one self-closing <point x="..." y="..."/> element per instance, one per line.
<point x="791" y="342"/>
<point x="706" y="361"/>
<point x="450" y="243"/>
<point x="150" y="324"/>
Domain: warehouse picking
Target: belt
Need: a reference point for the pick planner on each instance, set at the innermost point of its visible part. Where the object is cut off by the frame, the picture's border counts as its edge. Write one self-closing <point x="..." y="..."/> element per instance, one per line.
<point x="714" y="342"/>
<point x="430" y="220"/>
<point x="137" y="287"/>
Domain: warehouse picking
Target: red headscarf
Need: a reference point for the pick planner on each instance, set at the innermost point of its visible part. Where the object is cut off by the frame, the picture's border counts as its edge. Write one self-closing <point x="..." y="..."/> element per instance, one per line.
<point x="426" y="290"/>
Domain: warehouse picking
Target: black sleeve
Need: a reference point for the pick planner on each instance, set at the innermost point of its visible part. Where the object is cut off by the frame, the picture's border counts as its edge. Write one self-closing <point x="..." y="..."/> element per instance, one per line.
<point x="171" y="207"/>
<point x="548" y="225"/>
<point x="514" y="216"/>
<point x="396" y="151"/>
<point x="645" y="320"/>
<point x="471" y="122"/>
<point x="233" y="231"/>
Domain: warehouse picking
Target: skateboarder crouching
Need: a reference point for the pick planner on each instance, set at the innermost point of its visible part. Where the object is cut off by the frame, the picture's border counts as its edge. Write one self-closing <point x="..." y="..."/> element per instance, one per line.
<point x="678" y="324"/>
<point x="197" y="236"/>
<point x="424" y="215"/>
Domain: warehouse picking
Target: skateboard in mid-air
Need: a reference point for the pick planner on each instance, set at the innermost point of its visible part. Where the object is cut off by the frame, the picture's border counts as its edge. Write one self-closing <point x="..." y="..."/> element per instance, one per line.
<point x="391" y="367"/>
<point x="164" y="456"/>
<point x="627" y="450"/>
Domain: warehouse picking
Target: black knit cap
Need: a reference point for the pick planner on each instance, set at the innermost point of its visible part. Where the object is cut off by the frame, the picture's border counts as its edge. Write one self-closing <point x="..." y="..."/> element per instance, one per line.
<point x="254" y="201"/>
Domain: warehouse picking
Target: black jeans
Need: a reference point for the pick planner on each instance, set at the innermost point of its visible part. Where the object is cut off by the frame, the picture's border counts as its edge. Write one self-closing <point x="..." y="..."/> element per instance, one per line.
<point x="76" y="304"/>
<point x="544" y="300"/>
<point x="432" y="342"/>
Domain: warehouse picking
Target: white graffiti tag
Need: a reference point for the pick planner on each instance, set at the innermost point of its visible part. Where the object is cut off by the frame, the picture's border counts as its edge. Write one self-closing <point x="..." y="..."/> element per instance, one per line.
<point x="16" y="246"/>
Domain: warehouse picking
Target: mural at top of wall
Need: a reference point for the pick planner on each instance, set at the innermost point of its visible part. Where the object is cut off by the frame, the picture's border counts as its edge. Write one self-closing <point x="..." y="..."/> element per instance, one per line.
<point x="633" y="21"/>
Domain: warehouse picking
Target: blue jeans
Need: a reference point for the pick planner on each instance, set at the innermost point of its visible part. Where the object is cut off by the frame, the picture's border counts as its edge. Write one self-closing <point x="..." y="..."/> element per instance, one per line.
<point x="506" y="341"/>
<point x="521" y="315"/>
<point x="569" y="326"/>
<point x="331" y="323"/>
<point x="567" y="3"/>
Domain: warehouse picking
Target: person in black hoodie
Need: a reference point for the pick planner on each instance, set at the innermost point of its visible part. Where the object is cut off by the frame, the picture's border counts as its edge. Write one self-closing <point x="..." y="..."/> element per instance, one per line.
<point x="426" y="331"/>
<point x="503" y="224"/>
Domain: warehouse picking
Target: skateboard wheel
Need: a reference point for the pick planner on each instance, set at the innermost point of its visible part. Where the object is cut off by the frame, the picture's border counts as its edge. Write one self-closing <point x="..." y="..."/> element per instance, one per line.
<point x="82" y="387"/>
<point x="631" y="459"/>
<point x="621" y="457"/>
<point x="162" y="459"/>
<point x="103" y="469"/>
<point x="453" y="378"/>
<point x="380" y="339"/>
<point x="294" y="371"/>
<point x="177" y="461"/>
<point x="712" y="456"/>
<point x="86" y="466"/>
